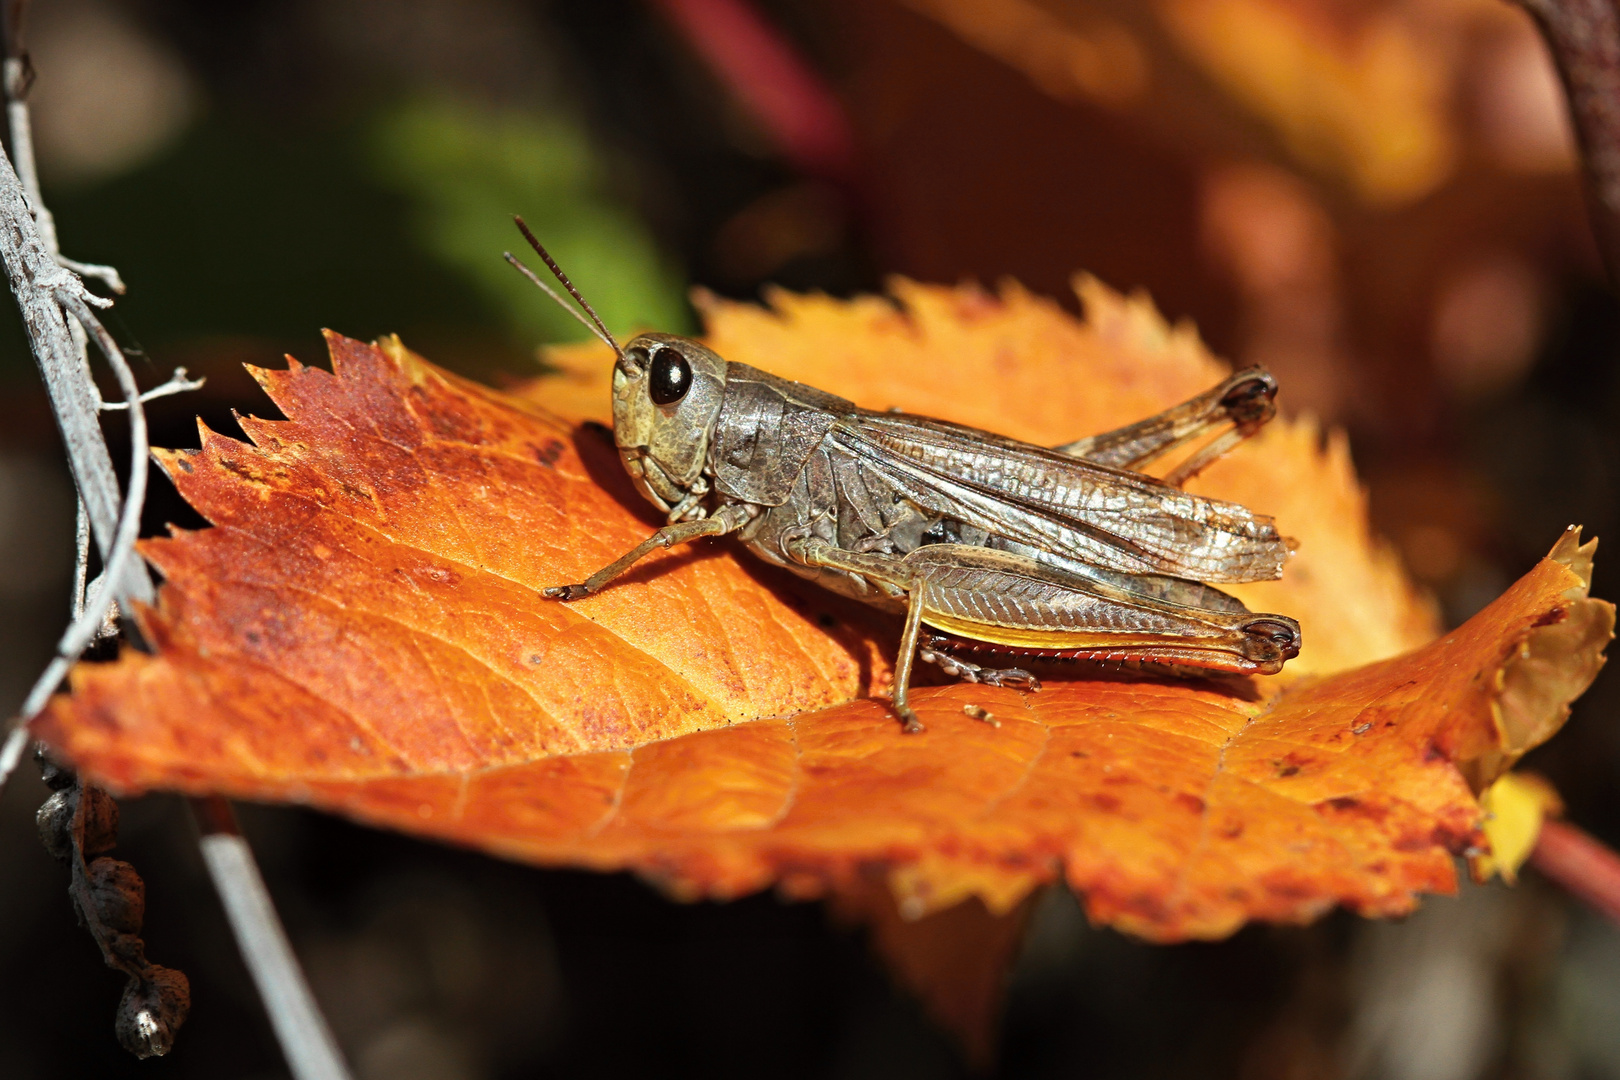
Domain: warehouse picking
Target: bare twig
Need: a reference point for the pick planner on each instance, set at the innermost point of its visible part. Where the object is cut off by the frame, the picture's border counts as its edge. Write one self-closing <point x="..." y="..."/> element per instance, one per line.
<point x="11" y="751"/>
<point x="81" y="571"/>
<point x="312" y="1053"/>
<point x="1584" y="37"/>
<point x="72" y="390"/>
<point x="38" y="283"/>
<point x="179" y="383"/>
<point x="45" y="286"/>
<point x="68" y="294"/>
<point x="107" y="275"/>
<point x="47" y="293"/>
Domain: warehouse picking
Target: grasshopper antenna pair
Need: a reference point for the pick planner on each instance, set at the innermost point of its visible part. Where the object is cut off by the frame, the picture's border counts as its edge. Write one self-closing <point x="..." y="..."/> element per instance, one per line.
<point x="594" y="324"/>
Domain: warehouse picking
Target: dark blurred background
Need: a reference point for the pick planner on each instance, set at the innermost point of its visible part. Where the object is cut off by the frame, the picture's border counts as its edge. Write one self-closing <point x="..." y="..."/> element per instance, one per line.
<point x="1374" y="198"/>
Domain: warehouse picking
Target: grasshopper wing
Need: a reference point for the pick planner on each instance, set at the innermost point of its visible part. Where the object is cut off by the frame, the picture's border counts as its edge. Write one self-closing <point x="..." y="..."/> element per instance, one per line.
<point x="1051" y="502"/>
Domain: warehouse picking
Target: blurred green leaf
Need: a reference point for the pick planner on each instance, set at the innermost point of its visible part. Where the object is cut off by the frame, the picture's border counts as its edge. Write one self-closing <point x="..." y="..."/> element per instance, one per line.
<point x="465" y="172"/>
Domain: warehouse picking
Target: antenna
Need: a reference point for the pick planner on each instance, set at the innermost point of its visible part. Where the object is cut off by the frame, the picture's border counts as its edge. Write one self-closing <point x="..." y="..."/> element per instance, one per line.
<point x="594" y="324"/>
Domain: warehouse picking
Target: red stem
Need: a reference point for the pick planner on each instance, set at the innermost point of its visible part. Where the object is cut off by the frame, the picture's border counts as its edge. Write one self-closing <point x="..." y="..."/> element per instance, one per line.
<point x="1580" y="863"/>
<point x="772" y="81"/>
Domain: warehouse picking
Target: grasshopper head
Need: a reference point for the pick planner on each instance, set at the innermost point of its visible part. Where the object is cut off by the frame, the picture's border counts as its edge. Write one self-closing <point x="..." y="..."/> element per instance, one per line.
<point x="666" y="399"/>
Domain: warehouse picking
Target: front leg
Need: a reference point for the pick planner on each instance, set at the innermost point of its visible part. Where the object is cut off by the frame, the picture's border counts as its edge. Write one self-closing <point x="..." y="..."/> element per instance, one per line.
<point x="727" y="519"/>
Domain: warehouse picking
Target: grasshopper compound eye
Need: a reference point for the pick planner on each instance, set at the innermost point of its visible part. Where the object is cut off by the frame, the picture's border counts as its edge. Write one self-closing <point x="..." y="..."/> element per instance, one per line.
<point x="670" y="377"/>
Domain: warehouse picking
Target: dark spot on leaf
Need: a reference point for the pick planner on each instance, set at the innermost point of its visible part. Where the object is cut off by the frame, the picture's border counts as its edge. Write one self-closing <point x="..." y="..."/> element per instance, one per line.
<point x="1105" y="802"/>
<point x="1146" y="906"/>
<point x="1289" y="889"/>
<point x="1346" y="804"/>
<point x="1287" y="770"/>
<point x="1190" y="802"/>
<point x="548" y="453"/>
<point x="183" y="464"/>
<point x="1556" y="615"/>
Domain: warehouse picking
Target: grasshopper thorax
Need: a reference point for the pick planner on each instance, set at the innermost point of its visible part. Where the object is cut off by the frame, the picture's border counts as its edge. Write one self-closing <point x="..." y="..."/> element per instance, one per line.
<point x="666" y="401"/>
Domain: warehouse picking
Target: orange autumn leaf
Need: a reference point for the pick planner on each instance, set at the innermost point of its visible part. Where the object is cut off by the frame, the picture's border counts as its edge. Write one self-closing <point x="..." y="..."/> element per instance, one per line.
<point x="362" y="631"/>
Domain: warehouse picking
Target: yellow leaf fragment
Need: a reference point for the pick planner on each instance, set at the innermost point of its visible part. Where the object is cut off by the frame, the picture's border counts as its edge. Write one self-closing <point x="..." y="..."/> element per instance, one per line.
<point x="1515" y="807"/>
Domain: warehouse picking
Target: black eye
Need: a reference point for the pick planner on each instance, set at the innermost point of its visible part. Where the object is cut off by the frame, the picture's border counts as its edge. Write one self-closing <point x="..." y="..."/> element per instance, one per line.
<point x="670" y="378"/>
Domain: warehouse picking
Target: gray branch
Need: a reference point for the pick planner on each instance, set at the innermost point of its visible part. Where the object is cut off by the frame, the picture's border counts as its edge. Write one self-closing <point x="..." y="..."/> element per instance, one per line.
<point x="98" y="604"/>
<point x="39" y="283"/>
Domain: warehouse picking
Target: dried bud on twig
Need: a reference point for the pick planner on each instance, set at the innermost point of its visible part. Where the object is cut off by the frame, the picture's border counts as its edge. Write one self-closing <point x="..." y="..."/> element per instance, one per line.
<point x="79" y="821"/>
<point x="152" y="1009"/>
<point x="56" y="816"/>
<point x="118" y="894"/>
<point x="54" y="819"/>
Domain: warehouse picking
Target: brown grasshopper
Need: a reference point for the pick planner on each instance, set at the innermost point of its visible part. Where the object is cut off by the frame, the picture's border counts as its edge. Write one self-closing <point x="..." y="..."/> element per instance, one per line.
<point x="984" y="543"/>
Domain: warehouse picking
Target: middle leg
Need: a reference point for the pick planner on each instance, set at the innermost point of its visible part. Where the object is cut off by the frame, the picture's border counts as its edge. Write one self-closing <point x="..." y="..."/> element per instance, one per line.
<point x="883" y="570"/>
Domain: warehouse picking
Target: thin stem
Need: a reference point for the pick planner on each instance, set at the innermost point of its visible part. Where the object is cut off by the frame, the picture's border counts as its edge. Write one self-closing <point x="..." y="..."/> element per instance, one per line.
<point x="129" y="524"/>
<point x="179" y="383"/>
<point x="311" y="1051"/>
<point x="11" y="752"/>
<point x="1580" y="863"/>
<point x="81" y="570"/>
<point x="107" y="275"/>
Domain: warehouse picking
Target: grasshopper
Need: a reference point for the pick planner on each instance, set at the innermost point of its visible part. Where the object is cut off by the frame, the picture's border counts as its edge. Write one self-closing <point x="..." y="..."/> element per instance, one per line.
<point x="983" y="543"/>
